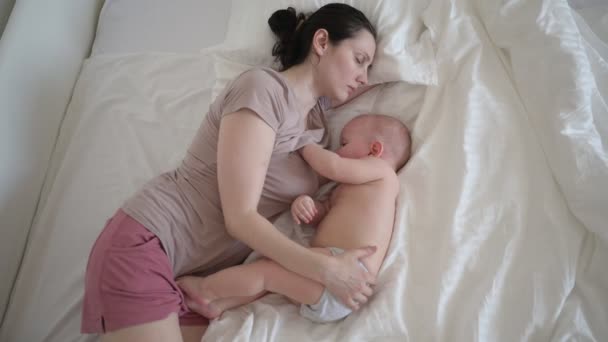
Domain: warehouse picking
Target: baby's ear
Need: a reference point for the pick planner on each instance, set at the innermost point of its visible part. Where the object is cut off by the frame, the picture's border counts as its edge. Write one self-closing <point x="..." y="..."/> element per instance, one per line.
<point x="376" y="149"/>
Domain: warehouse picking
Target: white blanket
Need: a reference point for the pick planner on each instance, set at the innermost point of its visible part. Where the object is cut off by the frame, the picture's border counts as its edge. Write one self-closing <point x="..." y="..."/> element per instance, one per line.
<point x="500" y="233"/>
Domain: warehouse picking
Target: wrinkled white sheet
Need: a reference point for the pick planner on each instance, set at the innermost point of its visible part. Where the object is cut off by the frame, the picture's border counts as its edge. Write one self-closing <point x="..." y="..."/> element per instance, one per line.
<point x="501" y="229"/>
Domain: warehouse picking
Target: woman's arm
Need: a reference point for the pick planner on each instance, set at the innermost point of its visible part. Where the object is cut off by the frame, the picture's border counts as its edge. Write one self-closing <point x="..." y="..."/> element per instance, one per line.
<point x="244" y="150"/>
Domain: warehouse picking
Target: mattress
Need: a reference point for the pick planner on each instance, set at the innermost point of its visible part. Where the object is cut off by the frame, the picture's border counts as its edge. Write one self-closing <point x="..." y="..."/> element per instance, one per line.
<point x="500" y="230"/>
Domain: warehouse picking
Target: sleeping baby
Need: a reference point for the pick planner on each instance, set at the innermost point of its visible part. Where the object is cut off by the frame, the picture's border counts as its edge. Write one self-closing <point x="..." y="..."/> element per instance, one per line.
<point x="359" y="212"/>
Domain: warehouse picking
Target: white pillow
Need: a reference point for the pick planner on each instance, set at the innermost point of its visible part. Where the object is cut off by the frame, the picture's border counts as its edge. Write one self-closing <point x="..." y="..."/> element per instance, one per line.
<point x="397" y="99"/>
<point x="404" y="48"/>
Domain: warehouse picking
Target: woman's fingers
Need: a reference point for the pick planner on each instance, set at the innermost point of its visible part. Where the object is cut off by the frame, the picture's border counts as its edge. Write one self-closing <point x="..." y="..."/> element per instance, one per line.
<point x="364" y="252"/>
<point x="370" y="280"/>
<point x="360" y="298"/>
<point x="353" y="284"/>
<point x="353" y="305"/>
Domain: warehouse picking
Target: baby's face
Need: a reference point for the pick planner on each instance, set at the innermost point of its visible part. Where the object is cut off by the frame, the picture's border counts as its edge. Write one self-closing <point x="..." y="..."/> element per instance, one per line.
<point x="353" y="141"/>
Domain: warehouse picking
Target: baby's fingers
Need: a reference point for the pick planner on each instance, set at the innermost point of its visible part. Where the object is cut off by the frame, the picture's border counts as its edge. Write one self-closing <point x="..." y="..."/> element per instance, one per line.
<point x="295" y="217"/>
<point x="312" y="209"/>
<point x="303" y="216"/>
<point x="310" y="214"/>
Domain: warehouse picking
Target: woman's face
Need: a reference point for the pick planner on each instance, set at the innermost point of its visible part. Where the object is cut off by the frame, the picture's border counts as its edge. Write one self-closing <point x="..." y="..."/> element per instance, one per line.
<point x="343" y="67"/>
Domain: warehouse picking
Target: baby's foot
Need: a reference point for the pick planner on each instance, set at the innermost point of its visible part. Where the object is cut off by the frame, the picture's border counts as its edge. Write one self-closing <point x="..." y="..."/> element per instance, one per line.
<point x="198" y="297"/>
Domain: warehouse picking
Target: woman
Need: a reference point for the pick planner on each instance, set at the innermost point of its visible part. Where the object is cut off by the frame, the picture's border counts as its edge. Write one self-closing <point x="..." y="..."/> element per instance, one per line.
<point x="238" y="174"/>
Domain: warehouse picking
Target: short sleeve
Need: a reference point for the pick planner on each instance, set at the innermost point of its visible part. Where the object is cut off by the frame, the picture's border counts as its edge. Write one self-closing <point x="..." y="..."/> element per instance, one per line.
<point x="260" y="92"/>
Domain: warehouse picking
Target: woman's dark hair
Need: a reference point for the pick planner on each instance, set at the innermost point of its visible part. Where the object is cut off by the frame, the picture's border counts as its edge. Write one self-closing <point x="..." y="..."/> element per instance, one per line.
<point x="295" y="32"/>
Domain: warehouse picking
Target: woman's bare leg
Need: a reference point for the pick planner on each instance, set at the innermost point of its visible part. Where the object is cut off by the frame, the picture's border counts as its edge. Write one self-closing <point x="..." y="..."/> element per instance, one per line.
<point x="167" y="329"/>
<point x="193" y="333"/>
<point x="164" y="330"/>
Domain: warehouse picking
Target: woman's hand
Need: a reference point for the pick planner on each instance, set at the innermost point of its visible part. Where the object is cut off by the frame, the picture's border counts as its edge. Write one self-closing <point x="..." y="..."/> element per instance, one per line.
<point x="303" y="209"/>
<point x="347" y="280"/>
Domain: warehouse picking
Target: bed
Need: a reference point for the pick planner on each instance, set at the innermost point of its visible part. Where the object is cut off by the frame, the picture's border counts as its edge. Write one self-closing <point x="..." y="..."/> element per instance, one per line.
<point x="501" y="232"/>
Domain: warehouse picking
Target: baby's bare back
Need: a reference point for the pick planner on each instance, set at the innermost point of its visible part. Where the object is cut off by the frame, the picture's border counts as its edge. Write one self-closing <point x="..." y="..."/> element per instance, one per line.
<point x="359" y="216"/>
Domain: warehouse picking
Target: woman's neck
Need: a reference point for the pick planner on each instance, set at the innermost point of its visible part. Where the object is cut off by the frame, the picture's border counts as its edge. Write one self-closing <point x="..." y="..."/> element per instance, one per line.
<point x="301" y="80"/>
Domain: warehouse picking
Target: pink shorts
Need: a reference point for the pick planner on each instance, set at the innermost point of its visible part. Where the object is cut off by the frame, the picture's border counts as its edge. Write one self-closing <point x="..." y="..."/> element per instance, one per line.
<point x="129" y="280"/>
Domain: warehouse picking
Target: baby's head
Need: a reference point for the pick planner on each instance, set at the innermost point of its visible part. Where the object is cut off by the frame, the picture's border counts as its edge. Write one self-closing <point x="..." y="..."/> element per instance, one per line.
<point x="376" y="135"/>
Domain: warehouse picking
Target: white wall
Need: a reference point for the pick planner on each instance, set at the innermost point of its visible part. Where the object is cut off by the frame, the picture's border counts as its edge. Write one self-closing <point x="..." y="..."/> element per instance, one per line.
<point x="5" y="10"/>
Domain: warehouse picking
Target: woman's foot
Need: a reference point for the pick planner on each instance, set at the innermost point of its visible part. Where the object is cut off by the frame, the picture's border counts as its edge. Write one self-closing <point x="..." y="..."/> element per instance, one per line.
<point x="199" y="298"/>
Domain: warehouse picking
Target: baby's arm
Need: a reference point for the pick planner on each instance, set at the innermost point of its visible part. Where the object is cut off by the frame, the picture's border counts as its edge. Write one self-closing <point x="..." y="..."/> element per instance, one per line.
<point x="344" y="170"/>
<point x="307" y="210"/>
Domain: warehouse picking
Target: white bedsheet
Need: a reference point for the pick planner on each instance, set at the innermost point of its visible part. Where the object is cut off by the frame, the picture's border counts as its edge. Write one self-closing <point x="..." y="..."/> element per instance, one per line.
<point x="131" y="117"/>
<point x="501" y="229"/>
<point x="500" y="233"/>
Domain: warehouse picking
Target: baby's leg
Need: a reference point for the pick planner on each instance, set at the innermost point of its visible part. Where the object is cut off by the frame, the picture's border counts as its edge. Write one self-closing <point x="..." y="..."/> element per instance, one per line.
<point x="228" y="288"/>
<point x="239" y="285"/>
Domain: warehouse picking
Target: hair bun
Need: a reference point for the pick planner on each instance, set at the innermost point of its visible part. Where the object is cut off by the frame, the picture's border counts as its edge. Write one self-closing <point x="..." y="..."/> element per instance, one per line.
<point x="283" y="23"/>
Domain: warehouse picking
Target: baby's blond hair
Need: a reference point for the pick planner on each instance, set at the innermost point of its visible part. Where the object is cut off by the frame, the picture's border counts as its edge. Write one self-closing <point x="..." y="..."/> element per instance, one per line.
<point x="392" y="133"/>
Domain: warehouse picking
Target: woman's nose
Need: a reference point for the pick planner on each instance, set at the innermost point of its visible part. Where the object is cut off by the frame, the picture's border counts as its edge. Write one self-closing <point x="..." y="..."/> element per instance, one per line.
<point x="362" y="78"/>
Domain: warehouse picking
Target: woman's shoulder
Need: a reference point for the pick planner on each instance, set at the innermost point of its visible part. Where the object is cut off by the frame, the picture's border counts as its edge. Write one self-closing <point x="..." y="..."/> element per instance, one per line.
<point x="261" y="78"/>
<point x="260" y="90"/>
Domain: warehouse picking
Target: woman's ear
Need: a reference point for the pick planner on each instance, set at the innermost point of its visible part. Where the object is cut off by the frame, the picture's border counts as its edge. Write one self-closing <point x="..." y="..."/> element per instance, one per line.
<point x="320" y="42"/>
<point x="376" y="149"/>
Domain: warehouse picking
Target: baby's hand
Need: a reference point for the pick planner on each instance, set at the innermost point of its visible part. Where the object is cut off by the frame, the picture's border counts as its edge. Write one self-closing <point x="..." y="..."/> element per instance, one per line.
<point x="303" y="209"/>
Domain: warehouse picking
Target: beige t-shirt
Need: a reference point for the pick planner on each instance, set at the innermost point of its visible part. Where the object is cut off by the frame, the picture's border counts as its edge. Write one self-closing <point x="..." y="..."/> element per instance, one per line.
<point x="182" y="207"/>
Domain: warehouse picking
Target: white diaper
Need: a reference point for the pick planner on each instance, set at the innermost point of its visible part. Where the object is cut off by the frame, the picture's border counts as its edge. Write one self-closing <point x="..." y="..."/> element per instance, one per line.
<point x="328" y="308"/>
